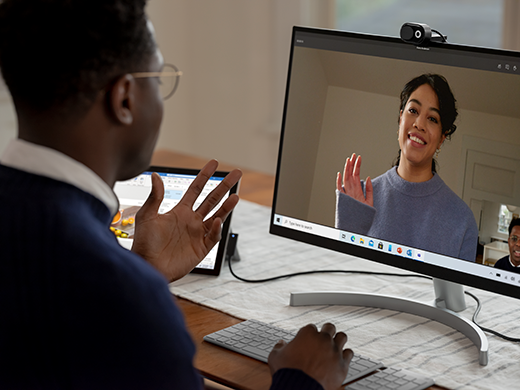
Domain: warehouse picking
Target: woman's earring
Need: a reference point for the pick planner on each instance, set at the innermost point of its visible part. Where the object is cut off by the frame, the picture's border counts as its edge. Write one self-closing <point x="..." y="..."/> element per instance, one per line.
<point x="437" y="153"/>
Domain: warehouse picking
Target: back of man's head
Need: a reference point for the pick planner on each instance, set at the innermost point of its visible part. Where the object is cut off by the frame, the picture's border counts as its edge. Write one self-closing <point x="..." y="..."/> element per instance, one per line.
<point x="56" y="55"/>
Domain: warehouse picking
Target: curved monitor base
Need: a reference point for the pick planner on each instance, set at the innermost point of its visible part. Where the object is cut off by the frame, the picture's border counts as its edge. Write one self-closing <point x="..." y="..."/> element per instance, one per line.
<point x="444" y="316"/>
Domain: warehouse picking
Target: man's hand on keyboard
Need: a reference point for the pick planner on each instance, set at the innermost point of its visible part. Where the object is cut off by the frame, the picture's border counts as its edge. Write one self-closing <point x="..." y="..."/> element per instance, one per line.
<point x="319" y="354"/>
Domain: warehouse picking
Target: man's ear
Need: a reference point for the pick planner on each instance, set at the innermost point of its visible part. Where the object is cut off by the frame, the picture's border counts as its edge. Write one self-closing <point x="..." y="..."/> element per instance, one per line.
<point x="122" y="99"/>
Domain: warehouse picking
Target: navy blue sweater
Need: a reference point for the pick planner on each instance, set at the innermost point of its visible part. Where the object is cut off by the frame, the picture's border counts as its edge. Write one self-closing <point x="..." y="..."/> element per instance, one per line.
<point x="76" y="309"/>
<point x="505" y="264"/>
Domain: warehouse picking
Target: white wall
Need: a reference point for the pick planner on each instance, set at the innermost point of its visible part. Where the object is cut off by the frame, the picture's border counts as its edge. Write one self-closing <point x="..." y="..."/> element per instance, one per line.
<point x="234" y="55"/>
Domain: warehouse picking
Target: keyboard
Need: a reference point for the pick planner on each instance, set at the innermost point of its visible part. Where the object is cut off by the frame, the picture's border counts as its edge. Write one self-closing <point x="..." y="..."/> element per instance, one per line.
<point x="256" y="339"/>
<point x="392" y="378"/>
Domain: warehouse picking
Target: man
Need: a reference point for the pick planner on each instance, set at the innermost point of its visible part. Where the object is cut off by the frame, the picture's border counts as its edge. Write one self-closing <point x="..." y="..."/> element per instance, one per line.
<point x="78" y="310"/>
<point x="512" y="262"/>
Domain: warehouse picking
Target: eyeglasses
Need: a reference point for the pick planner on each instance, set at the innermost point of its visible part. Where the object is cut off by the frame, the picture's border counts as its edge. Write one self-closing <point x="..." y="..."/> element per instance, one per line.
<point x="168" y="79"/>
<point x="514" y="239"/>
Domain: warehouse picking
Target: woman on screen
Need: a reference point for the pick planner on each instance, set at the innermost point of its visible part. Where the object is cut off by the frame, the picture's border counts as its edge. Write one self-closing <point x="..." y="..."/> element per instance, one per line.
<point x="410" y="204"/>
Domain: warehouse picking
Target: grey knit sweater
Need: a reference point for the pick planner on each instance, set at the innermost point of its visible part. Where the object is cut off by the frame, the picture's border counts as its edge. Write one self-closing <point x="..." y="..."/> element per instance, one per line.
<point x="427" y="215"/>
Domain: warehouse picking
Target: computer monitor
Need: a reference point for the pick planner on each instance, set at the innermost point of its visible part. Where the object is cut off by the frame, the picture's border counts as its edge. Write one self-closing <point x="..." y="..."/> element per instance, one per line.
<point x="343" y="97"/>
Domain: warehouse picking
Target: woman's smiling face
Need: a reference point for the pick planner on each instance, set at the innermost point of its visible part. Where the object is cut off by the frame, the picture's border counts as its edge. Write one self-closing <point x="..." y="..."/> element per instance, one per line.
<point x="420" y="130"/>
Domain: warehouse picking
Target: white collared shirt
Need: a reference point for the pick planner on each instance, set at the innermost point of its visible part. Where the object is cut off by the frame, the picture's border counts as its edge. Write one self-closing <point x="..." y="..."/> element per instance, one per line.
<point x="510" y="262"/>
<point x="50" y="163"/>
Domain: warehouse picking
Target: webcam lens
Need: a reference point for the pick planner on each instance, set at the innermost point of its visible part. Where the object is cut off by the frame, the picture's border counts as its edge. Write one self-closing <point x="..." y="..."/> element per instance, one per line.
<point x="406" y="32"/>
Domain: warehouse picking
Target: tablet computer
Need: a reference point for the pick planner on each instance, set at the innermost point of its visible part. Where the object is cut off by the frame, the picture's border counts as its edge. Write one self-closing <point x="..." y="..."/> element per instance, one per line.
<point x="133" y="193"/>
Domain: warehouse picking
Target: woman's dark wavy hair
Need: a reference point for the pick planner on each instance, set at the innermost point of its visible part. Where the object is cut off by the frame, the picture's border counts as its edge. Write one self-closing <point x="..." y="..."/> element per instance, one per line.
<point x="60" y="53"/>
<point x="447" y="104"/>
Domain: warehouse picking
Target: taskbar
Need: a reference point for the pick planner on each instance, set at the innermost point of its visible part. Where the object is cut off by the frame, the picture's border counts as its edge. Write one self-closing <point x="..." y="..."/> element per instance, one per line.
<point x="397" y="249"/>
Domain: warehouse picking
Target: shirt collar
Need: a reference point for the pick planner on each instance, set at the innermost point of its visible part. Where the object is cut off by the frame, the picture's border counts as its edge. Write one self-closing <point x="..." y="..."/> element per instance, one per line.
<point x="510" y="262"/>
<point x="50" y="163"/>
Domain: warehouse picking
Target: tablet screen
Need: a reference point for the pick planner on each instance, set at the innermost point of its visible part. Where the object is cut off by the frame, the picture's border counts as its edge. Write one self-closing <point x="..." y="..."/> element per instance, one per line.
<point x="133" y="193"/>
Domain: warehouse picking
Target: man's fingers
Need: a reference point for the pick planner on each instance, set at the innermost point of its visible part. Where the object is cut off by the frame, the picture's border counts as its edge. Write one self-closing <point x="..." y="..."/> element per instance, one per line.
<point x="152" y="204"/>
<point x="348" y="354"/>
<point x="225" y="209"/>
<point x="198" y="184"/>
<point x="272" y="359"/>
<point x="329" y="328"/>
<point x="214" y="234"/>
<point x="340" y="339"/>
<point x="214" y="224"/>
<point x="279" y="344"/>
<point x="215" y="196"/>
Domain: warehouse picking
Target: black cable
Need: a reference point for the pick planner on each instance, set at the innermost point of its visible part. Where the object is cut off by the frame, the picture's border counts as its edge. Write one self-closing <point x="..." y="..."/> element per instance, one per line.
<point x="474" y="319"/>
<point x="443" y="37"/>
<point x="475" y="314"/>
<point x="320" y="272"/>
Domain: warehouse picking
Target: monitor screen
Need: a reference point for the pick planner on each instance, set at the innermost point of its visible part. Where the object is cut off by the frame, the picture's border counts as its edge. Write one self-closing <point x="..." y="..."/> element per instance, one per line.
<point x="350" y="93"/>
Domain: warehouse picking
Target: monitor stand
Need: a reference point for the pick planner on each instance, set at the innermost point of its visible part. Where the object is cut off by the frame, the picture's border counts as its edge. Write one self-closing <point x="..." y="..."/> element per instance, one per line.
<point x="449" y="298"/>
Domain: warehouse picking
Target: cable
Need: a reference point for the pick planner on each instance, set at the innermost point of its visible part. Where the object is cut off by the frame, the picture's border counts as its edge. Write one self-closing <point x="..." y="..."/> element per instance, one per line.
<point x="475" y="314"/>
<point x="443" y="37"/>
<point x="320" y="272"/>
<point x="474" y="319"/>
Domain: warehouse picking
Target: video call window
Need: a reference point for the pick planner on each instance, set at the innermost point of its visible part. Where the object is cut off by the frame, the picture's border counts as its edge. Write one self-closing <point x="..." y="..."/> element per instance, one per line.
<point x="341" y="103"/>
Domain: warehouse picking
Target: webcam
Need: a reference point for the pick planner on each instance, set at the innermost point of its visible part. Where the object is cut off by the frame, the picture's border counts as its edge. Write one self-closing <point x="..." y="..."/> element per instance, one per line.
<point x="420" y="34"/>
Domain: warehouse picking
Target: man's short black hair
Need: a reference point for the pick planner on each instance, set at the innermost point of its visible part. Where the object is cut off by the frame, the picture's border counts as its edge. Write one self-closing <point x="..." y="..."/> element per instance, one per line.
<point x="58" y="54"/>
<point x="514" y="222"/>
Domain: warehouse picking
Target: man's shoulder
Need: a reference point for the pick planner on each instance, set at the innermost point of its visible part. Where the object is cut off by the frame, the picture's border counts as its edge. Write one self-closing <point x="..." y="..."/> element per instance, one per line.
<point x="21" y="185"/>
<point x="49" y="200"/>
<point x="503" y="263"/>
<point x="54" y="224"/>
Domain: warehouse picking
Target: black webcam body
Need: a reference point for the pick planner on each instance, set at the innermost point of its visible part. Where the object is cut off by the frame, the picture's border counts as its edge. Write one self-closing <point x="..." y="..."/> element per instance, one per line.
<point x="420" y="34"/>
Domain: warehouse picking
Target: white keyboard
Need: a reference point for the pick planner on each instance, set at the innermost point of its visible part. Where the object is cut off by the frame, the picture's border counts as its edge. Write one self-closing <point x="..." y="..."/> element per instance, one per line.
<point x="392" y="379"/>
<point x="256" y="339"/>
